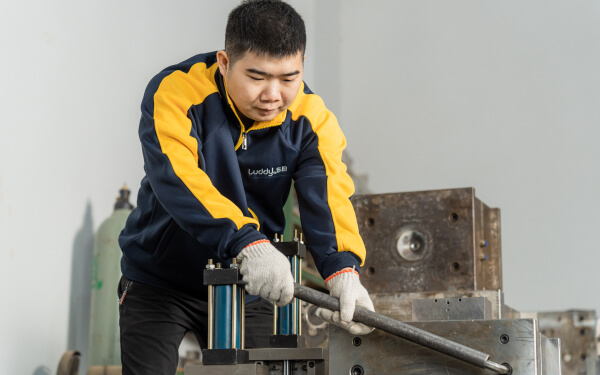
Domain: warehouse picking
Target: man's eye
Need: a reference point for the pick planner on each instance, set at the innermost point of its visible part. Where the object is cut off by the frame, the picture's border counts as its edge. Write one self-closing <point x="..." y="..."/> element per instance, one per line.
<point x="255" y="78"/>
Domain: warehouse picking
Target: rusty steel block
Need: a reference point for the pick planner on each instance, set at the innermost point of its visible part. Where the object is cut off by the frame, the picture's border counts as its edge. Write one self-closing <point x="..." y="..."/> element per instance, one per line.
<point x="429" y="241"/>
<point x="576" y="330"/>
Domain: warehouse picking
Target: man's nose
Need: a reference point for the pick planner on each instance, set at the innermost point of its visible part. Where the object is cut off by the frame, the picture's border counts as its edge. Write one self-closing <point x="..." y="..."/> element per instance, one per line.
<point x="271" y="93"/>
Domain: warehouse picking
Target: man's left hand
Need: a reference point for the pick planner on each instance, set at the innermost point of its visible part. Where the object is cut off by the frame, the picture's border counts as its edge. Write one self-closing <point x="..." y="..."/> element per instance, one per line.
<point x="346" y="286"/>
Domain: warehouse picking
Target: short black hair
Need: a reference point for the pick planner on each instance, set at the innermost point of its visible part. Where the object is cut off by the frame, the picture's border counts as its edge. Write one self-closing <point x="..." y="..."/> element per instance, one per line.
<point x="265" y="27"/>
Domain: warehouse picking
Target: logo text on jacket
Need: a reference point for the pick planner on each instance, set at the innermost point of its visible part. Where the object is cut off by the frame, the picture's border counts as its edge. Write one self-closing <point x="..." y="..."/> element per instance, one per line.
<point x="267" y="171"/>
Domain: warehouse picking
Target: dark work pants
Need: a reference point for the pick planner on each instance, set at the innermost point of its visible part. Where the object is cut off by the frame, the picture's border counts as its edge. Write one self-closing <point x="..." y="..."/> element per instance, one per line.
<point x="153" y="322"/>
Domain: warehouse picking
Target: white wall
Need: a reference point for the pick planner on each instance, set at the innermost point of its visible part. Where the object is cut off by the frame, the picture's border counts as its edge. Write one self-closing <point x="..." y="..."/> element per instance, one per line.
<point x="73" y="75"/>
<point x="499" y="95"/>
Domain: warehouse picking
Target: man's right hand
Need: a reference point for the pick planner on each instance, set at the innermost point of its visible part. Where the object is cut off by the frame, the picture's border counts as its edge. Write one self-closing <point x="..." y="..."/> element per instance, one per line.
<point x="267" y="272"/>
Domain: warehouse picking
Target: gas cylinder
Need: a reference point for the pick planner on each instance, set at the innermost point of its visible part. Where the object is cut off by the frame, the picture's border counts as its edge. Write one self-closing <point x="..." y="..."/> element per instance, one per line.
<point x="104" y="347"/>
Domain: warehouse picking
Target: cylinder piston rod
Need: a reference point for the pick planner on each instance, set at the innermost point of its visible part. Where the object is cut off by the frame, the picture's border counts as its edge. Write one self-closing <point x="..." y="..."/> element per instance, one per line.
<point x="403" y="330"/>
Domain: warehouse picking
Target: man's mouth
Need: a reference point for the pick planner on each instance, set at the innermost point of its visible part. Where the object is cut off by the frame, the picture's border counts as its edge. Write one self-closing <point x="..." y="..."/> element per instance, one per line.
<point x="266" y="111"/>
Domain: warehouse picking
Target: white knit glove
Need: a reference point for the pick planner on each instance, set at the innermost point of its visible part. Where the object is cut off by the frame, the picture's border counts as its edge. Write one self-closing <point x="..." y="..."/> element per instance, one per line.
<point x="346" y="286"/>
<point x="267" y="272"/>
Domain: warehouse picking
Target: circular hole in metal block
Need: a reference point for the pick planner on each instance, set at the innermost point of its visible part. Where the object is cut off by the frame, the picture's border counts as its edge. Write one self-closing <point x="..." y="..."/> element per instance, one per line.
<point x="370" y="222"/>
<point x="370" y="271"/>
<point x="455" y="266"/>
<point x="583" y="357"/>
<point x="504" y="339"/>
<point x="411" y="244"/>
<point x="582" y="332"/>
<point x="453" y="217"/>
<point x="357" y="370"/>
<point x="356" y="341"/>
<point x="311" y="364"/>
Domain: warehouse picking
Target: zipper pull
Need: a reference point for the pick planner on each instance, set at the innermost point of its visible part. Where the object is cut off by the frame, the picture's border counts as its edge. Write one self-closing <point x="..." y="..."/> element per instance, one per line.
<point x="244" y="141"/>
<point x="124" y="292"/>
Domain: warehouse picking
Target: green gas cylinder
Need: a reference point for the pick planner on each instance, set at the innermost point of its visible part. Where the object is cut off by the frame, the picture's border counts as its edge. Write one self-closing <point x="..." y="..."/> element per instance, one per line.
<point x="104" y="347"/>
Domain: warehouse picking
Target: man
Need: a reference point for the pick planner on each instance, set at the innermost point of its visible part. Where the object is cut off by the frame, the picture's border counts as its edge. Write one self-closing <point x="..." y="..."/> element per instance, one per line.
<point x="210" y="128"/>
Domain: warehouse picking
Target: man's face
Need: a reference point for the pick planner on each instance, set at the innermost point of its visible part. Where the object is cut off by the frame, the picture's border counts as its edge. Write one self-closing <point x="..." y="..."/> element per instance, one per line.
<point x="262" y="86"/>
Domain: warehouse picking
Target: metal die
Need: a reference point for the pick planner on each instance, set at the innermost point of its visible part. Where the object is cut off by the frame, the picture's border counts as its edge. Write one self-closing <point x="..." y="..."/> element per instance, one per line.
<point x="429" y="241"/>
<point x="309" y="361"/>
<point x="240" y="369"/>
<point x="577" y="332"/>
<point x="515" y="342"/>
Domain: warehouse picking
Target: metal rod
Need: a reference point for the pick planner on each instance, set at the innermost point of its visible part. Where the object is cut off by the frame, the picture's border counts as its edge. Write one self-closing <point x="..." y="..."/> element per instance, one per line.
<point x="300" y="302"/>
<point x="500" y="369"/>
<point x="274" y="319"/>
<point x="403" y="330"/>
<point x="243" y="313"/>
<point x="295" y="301"/>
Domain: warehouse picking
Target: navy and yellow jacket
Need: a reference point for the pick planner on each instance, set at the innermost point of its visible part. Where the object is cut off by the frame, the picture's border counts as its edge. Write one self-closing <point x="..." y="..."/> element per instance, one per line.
<point x="212" y="187"/>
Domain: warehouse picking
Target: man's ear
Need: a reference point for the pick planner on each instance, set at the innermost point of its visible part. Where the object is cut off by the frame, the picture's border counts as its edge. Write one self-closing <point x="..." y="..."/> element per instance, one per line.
<point x="223" y="61"/>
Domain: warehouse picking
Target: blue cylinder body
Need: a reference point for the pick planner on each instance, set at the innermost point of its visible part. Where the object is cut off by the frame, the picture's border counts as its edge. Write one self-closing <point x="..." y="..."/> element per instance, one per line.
<point x="284" y="314"/>
<point x="284" y="320"/>
<point x="222" y="315"/>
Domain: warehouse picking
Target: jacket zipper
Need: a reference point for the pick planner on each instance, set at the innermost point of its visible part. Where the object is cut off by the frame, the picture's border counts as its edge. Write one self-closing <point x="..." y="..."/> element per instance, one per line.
<point x="244" y="140"/>
<point x="244" y="136"/>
